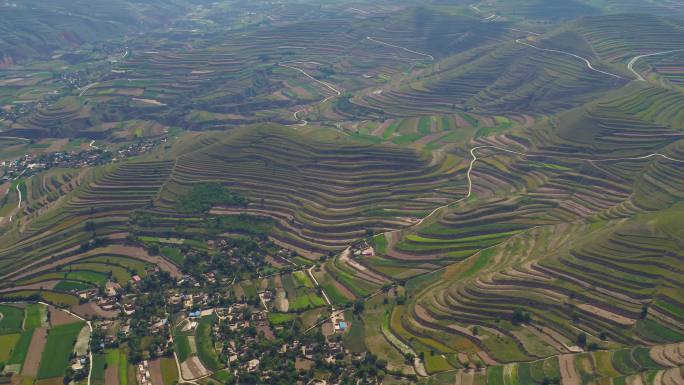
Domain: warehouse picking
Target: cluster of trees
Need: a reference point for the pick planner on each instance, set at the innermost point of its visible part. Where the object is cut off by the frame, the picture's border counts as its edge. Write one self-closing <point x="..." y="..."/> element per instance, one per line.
<point x="204" y="196"/>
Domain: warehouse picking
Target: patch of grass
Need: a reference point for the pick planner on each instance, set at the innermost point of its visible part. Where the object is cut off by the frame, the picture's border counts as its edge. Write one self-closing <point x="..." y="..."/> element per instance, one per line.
<point x="335" y="296"/>
<point x="98" y="372"/>
<point x="7" y="343"/>
<point x="495" y="375"/>
<point x="280" y="318"/>
<point x="21" y="348"/>
<point x="183" y="349"/>
<point x="169" y="371"/>
<point x="657" y="332"/>
<point x="12" y="318"/>
<point x="205" y="345"/>
<point x="425" y="125"/>
<point x="380" y="244"/>
<point x="123" y="367"/>
<point x="222" y="376"/>
<point x="204" y="196"/>
<point x="643" y="357"/>
<point x="622" y="361"/>
<point x="174" y="254"/>
<point x="58" y="348"/>
<point x="436" y="363"/>
<point x="67" y="286"/>
<point x="303" y="279"/>
<point x="354" y="338"/>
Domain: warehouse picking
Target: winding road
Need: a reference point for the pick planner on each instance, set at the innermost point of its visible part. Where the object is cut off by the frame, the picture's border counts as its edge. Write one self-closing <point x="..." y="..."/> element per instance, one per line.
<point x="304" y="122"/>
<point x="432" y="58"/>
<point x="319" y="286"/>
<point x="591" y="67"/>
<point x="630" y="65"/>
<point x="18" y="204"/>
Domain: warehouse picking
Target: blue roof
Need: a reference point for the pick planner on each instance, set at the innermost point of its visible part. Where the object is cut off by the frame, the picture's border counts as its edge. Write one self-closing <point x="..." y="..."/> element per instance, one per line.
<point x="343" y="325"/>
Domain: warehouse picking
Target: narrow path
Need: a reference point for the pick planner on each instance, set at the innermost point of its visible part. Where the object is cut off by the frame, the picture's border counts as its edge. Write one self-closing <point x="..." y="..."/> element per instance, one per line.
<point x="432" y="58"/>
<point x="18" y="204"/>
<point x="304" y="122"/>
<point x="327" y="300"/>
<point x="630" y="65"/>
<point x="86" y="88"/>
<point x="591" y="67"/>
<point x="523" y="31"/>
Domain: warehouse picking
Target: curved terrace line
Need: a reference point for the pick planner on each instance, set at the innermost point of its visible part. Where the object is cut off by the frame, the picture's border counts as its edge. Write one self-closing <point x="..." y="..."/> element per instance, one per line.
<point x="470" y="191"/>
<point x="591" y="67"/>
<point x="15" y="137"/>
<point x="630" y="65"/>
<point x="474" y="159"/>
<point x="304" y="122"/>
<point x="432" y="58"/>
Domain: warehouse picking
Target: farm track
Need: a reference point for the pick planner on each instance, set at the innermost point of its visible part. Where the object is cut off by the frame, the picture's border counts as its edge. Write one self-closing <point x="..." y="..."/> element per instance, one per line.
<point x="304" y="122"/>
<point x="432" y="58"/>
<point x="588" y="63"/>
<point x="18" y="204"/>
<point x="630" y="65"/>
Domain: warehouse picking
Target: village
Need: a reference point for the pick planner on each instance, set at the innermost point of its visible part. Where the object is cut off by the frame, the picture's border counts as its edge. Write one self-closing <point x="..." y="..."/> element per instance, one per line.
<point x="189" y="321"/>
<point x="31" y="164"/>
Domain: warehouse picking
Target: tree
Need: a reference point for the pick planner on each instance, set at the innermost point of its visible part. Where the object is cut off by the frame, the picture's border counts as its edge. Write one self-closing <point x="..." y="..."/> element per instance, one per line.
<point x="358" y="307"/>
<point x="520" y="317"/>
<point x="582" y="339"/>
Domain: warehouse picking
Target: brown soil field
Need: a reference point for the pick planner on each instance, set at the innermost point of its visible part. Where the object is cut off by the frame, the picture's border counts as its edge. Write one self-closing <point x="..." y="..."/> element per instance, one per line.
<point x="35" y="351"/>
<point x="568" y="370"/>
<point x="303" y="364"/>
<point x="112" y="375"/>
<point x="90" y="309"/>
<point x="155" y="372"/>
<point x="59" y="317"/>
<point x="193" y="368"/>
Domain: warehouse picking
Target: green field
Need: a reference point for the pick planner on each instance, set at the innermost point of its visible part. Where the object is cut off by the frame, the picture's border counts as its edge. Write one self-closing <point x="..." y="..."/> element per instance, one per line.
<point x="280" y="318"/>
<point x="58" y="348"/>
<point x="205" y="348"/>
<point x="21" y="348"/>
<point x="183" y="349"/>
<point x="35" y="316"/>
<point x="7" y="345"/>
<point x="12" y="318"/>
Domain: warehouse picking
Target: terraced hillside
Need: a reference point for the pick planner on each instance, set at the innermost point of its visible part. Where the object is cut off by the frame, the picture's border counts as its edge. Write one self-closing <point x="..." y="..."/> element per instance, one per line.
<point x="322" y="194"/>
<point x="34" y="29"/>
<point x="500" y="79"/>
<point x="571" y="231"/>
